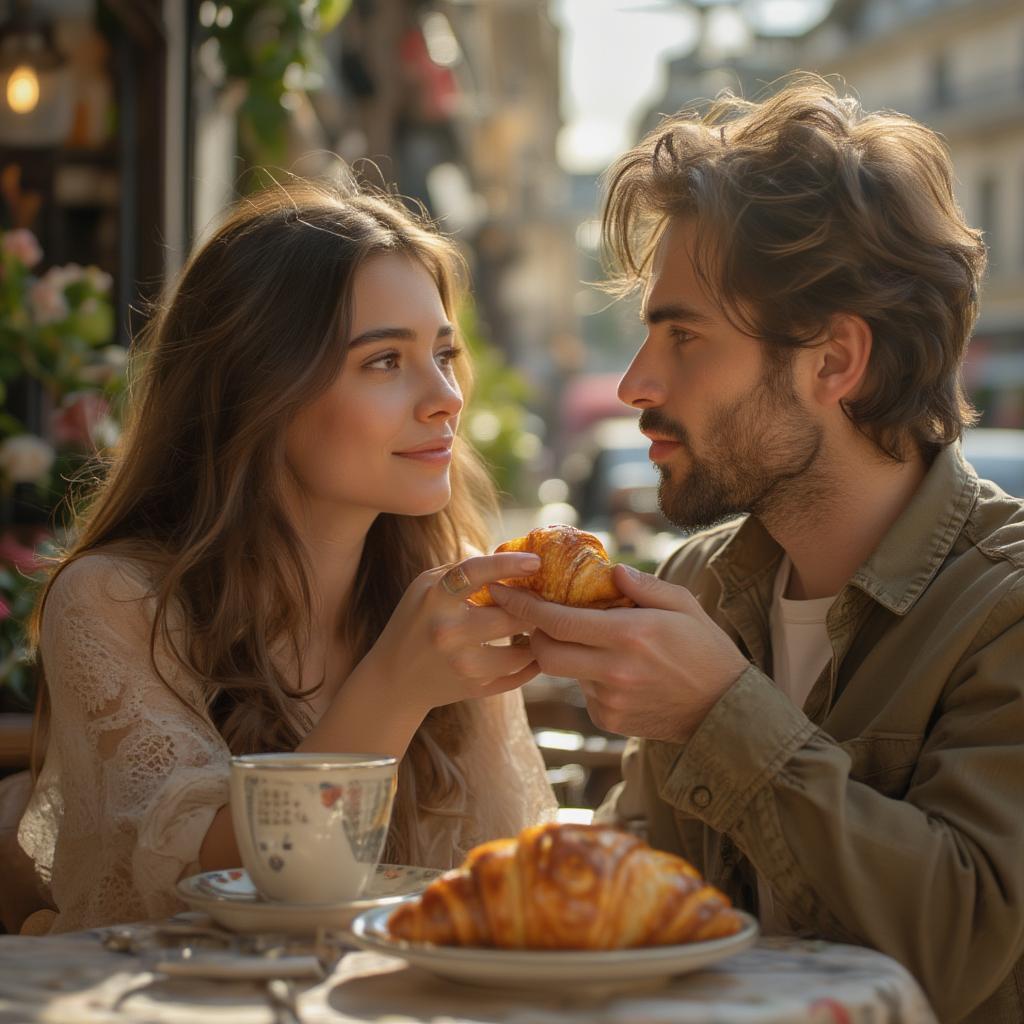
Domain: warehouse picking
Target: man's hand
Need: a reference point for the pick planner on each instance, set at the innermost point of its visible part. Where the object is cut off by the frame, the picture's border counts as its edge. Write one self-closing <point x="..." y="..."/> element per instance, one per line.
<point x="653" y="671"/>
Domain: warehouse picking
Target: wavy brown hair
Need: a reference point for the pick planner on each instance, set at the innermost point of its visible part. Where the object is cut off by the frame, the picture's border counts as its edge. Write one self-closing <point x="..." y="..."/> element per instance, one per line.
<point x="250" y="335"/>
<point x="806" y="206"/>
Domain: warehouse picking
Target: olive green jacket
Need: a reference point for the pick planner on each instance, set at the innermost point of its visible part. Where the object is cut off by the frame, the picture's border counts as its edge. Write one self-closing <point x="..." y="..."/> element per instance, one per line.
<point x="890" y="811"/>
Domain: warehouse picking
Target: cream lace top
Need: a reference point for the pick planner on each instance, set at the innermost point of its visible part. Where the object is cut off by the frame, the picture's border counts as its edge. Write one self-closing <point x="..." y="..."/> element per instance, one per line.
<point x="135" y="769"/>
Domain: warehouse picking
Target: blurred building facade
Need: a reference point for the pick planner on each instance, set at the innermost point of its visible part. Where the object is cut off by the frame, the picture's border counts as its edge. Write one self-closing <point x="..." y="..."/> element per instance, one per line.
<point x="507" y="121"/>
<point x="744" y="64"/>
<point x="97" y="170"/>
<point x="95" y="165"/>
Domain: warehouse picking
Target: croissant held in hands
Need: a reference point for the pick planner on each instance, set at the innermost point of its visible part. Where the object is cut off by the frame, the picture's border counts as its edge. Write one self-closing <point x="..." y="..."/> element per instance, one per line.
<point x="567" y="887"/>
<point x="574" y="569"/>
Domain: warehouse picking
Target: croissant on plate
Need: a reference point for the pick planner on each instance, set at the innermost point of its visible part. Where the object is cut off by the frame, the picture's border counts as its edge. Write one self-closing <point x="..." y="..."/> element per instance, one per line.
<point x="564" y="886"/>
<point x="574" y="569"/>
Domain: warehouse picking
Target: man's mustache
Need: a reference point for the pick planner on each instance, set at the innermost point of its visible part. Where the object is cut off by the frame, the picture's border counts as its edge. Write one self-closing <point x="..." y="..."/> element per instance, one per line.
<point x="657" y="422"/>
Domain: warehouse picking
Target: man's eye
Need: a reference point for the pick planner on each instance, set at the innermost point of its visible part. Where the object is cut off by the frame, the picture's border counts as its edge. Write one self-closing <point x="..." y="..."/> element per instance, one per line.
<point x="679" y="335"/>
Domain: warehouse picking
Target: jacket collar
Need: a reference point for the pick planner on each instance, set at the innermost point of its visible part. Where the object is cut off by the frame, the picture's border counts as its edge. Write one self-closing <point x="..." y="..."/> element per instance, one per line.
<point x="916" y="545"/>
<point x="904" y="563"/>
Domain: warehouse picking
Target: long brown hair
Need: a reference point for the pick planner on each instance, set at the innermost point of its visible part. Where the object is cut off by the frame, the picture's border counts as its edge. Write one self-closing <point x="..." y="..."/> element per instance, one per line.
<point x="807" y="206"/>
<point x="250" y="334"/>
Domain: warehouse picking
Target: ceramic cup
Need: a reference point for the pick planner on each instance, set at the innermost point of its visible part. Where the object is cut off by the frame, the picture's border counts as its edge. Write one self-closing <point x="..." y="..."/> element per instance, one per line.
<point x="311" y="827"/>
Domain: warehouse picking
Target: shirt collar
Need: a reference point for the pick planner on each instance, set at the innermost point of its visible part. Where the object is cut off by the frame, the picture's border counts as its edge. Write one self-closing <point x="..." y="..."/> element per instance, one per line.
<point x="904" y="563"/>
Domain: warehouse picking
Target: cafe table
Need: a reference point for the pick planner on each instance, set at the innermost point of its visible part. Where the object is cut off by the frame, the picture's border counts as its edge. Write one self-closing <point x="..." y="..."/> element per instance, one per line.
<point x="121" y="974"/>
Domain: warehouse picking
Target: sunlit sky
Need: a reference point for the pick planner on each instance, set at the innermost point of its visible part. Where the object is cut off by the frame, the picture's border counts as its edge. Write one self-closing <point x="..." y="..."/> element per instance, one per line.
<point x="613" y="62"/>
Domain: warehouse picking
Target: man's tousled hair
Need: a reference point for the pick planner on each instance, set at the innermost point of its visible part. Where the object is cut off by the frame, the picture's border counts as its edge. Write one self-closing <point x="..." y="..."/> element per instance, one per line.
<point x="806" y="206"/>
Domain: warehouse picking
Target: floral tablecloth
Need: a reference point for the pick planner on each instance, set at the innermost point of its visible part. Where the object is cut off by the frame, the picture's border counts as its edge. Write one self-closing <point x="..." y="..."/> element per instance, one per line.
<point x="73" y="978"/>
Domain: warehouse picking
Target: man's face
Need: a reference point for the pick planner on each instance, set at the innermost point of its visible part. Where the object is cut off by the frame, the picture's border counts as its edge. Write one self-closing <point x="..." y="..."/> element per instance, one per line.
<point x="730" y="433"/>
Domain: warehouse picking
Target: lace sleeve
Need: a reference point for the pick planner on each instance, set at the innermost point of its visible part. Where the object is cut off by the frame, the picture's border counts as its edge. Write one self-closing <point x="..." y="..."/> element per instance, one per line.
<point x="508" y="787"/>
<point x="134" y="769"/>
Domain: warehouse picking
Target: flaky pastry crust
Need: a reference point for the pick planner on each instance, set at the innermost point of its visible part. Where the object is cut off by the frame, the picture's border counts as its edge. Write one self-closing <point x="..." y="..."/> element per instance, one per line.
<point x="574" y="569"/>
<point x="564" y="886"/>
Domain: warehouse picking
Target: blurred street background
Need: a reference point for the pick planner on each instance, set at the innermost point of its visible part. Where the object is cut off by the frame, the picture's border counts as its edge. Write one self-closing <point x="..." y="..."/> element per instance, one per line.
<point x="126" y="127"/>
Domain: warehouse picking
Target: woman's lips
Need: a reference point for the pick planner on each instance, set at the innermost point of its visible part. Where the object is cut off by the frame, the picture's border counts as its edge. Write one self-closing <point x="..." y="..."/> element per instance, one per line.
<point x="661" y="450"/>
<point x="435" y="456"/>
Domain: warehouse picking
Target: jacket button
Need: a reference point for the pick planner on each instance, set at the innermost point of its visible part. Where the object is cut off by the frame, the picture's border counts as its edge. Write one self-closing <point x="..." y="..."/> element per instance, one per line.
<point x="701" y="796"/>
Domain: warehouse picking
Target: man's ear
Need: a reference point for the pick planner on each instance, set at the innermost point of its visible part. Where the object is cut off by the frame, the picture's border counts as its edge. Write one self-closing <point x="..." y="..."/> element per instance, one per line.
<point x="841" y="360"/>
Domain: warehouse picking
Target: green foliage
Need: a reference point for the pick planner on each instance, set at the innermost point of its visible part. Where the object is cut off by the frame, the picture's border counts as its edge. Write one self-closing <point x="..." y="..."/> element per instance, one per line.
<point x="21" y="577"/>
<point x="54" y="328"/>
<point x="273" y="47"/>
<point x="56" y="332"/>
<point x="496" y="415"/>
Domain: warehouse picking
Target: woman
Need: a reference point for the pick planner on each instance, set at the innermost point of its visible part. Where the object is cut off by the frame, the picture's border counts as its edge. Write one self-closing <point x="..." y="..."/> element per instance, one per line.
<point x="255" y="572"/>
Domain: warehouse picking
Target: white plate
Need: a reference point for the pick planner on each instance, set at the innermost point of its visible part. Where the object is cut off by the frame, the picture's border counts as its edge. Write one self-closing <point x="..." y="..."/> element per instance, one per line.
<point x="554" y="968"/>
<point x="230" y="898"/>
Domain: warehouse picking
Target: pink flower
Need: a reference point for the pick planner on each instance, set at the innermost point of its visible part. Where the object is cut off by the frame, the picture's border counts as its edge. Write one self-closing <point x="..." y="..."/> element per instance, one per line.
<point x="76" y="421"/>
<point x="46" y="297"/>
<point x="14" y="553"/>
<point x="22" y="245"/>
<point x="99" y="280"/>
<point x="25" y="458"/>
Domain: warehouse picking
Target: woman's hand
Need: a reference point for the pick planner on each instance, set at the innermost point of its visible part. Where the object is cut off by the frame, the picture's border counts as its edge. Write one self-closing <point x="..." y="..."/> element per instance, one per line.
<point x="436" y="648"/>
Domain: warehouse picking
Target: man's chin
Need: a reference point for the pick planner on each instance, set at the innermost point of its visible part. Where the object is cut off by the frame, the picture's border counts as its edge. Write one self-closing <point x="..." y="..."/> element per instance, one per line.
<point x="692" y="512"/>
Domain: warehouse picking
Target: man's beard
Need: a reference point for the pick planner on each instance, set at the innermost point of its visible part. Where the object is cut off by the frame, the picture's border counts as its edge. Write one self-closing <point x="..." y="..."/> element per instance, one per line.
<point x="759" y="457"/>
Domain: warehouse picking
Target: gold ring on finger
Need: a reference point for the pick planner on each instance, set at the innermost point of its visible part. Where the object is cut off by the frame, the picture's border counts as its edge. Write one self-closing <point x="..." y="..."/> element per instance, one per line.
<point x="456" y="582"/>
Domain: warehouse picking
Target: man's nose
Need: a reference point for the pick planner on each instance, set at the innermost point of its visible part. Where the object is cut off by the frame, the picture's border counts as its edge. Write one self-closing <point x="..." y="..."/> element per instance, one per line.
<point x="642" y="385"/>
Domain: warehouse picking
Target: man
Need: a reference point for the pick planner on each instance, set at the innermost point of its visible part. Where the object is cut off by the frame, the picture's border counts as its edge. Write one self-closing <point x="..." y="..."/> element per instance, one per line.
<point x="826" y="695"/>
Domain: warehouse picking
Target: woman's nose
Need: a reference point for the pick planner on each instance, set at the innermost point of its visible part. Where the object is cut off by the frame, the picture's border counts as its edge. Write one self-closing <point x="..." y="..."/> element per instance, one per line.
<point x="642" y="386"/>
<point x="443" y="398"/>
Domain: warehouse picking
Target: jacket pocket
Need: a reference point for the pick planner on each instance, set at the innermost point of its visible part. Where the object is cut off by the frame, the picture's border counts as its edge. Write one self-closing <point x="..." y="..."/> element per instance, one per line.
<point x="885" y="762"/>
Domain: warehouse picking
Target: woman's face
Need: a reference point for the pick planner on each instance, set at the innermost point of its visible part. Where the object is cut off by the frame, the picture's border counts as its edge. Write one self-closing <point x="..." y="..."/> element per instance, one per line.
<point x="379" y="438"/>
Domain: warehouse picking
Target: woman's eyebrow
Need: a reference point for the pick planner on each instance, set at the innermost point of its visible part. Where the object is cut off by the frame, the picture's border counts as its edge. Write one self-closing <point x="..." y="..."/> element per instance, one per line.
<point x="396" y="334"/>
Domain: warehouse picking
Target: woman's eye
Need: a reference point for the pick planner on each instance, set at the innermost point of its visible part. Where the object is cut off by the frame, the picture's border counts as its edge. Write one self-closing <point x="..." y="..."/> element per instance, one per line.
<point x="448" y="356"/>
<point x="388" y="361"/>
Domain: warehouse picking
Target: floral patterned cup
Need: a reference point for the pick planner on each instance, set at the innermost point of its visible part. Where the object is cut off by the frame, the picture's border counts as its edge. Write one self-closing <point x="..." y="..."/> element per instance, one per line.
<point x="311" y="827"/>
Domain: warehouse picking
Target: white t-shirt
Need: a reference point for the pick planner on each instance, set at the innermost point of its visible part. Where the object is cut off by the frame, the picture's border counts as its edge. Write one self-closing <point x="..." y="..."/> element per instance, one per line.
<point x="800" y="651"/>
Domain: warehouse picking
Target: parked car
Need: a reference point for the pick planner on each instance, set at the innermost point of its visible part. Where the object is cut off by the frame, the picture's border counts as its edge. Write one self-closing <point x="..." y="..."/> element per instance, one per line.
<point x="997" y="455"/>
<point x="609" y="474"/>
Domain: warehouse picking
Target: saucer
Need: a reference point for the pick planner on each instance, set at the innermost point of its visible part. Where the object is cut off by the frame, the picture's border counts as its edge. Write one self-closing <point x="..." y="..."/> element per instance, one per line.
<point x="230" y="898"/>
<point x="551" y="968"/>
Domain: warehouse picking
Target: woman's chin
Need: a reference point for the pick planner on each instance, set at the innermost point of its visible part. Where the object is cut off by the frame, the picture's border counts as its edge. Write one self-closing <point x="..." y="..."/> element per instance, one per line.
<point x="421" y="505"/>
